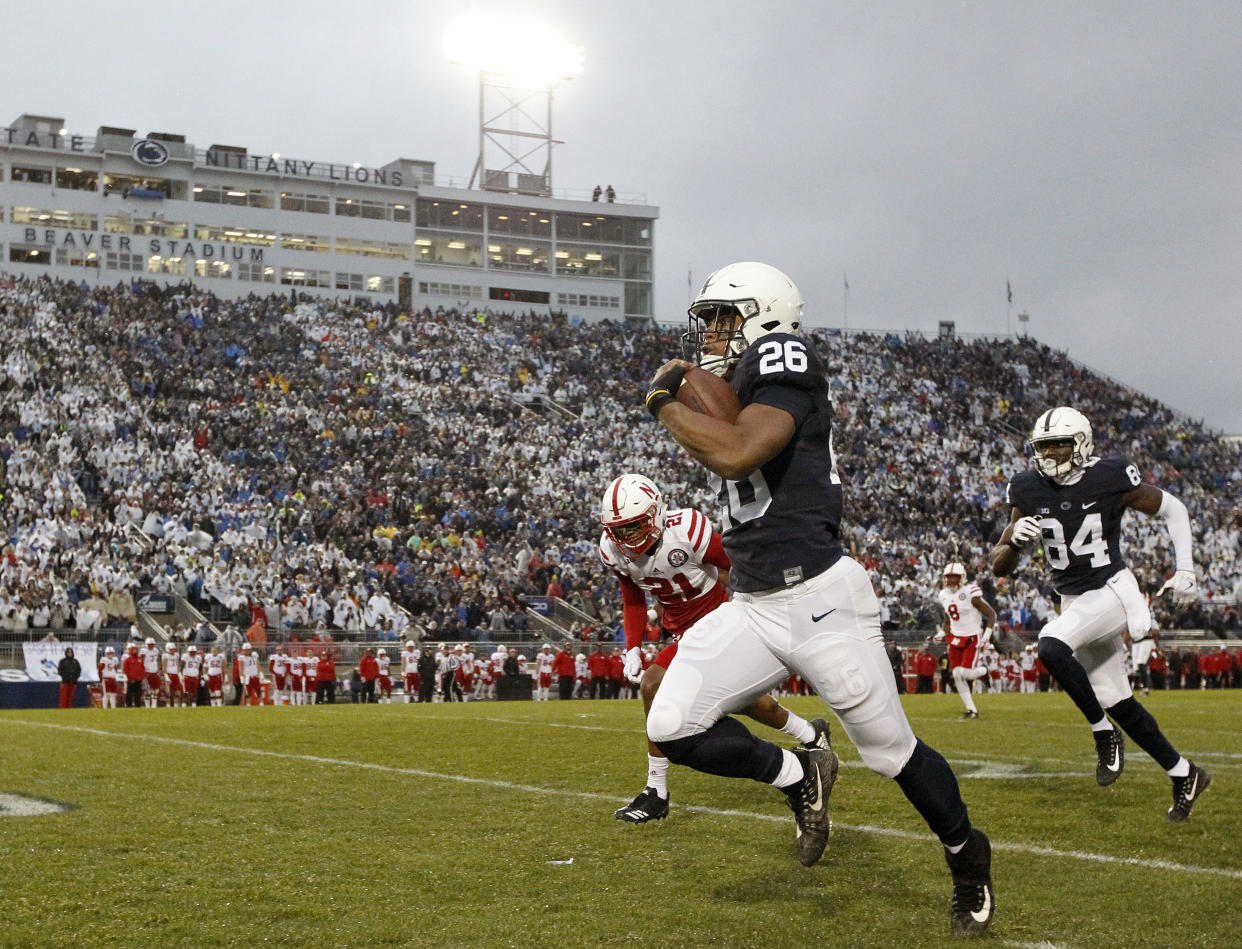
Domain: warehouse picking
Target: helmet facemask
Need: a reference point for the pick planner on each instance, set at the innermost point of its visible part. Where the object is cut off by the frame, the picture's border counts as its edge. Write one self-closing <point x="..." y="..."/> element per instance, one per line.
<point x="1061" y="426"/>
<point x="632" y="514"/>
<point x="720" y="320"/>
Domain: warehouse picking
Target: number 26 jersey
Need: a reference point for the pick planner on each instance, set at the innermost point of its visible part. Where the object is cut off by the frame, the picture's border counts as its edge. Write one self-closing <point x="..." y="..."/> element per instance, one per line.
<point x="1081" y="522"/>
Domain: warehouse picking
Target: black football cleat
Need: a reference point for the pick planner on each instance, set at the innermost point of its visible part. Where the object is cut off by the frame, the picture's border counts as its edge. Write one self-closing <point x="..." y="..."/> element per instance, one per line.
<point x="969" y="714"/>
<point x="973" y="900"/>
<point x="823" y="735"/>
<point x="808" y="799"/>
<point x="1186" y="791"/>
<point x="647" y="806"/>
<point x="1110" y="749"/>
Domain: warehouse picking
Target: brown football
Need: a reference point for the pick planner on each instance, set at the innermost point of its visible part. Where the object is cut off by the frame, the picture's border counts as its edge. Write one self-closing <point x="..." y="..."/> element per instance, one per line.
<point x="705" y="392"/>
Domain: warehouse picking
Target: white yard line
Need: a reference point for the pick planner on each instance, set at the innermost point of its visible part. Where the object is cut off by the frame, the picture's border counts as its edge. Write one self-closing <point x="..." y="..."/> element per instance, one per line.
<point x="1161" y="865"/>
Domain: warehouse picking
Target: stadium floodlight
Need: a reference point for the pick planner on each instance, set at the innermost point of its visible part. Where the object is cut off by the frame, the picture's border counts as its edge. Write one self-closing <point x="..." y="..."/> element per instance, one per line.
<point x="519" y="61"/>
<point x="523" y="53"/>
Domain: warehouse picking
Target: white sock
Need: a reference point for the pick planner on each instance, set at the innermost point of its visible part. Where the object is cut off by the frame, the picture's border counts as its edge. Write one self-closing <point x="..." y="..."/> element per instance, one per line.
<point x="1180" y="770"/>
<point x="1103" y="725"/>
<point x="657" y="775"/>
<point x="799" y="728"/>
<point x="791" y="770"/>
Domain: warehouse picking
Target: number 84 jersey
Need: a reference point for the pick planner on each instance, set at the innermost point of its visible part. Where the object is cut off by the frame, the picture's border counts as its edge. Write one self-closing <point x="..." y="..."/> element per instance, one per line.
<point x="1081" y="522"/>
<point x="682" y="572"/>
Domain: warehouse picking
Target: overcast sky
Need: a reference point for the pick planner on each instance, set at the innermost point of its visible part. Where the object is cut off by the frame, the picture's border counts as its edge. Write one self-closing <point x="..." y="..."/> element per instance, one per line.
<point x="1088" y="153"/>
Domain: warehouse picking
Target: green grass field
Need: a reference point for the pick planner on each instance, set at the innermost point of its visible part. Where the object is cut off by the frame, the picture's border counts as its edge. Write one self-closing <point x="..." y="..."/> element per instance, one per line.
<point x="455" y="825"/>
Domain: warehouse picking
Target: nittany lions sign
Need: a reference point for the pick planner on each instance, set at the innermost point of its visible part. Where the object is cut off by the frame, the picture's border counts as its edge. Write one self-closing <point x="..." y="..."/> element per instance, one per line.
<point x="149" y="152"/>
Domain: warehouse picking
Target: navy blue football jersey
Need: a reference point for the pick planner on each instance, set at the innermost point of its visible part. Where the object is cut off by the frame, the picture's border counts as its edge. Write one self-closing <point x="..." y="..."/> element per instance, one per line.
<point x="1081" y="521"/>
<point x="781" y="525"/>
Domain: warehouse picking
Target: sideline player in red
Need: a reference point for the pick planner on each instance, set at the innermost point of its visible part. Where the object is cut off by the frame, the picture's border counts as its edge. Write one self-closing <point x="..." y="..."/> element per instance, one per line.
<point x="965" y="610"/>
<point x="678" y="559"/>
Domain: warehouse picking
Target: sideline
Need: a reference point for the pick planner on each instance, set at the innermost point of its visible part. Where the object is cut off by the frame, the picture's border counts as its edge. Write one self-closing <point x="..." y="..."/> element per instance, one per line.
<point x="1161" y="865"/>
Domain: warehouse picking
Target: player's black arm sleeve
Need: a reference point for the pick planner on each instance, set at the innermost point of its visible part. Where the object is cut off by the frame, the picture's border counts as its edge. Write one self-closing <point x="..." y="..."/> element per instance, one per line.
<point x="1006" y="554"/>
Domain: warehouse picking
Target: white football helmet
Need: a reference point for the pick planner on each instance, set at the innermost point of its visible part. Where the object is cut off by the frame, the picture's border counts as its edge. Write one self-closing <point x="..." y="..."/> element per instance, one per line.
<point x="109" y="651"/>
<point x="382" y="652"/>
<point x="1057" y="425"/>
<point x="766" y="300"/>
<point x="191" y="648"/>
<point x="150" y="641"/>
<point x="955" y="569"/>
<point x="171" y="647"/>
<point x="409" y="644"/>
<point x="632" y="514"/>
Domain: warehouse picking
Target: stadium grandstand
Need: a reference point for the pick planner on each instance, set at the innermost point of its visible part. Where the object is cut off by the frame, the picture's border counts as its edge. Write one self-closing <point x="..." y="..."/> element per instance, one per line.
<point x="365" y="473"/>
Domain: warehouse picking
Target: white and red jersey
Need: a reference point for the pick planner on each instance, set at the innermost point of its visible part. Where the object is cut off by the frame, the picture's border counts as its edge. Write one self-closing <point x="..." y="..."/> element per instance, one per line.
<point x="150" y="660"/>
<point x="191" y="665"/>
<point x="582" y="672"/>
<point x="278" y="664"/>
<point x="682" y="573"/>
<point x="109" y="666"/>
<point x="310" y="673"/>
<point x="409" y="662"/>
<point x="215" y="664"/>
<point x="383" y="662"/>
<point x="543" y="662"/>
<point x="248" y="664"/>
<point x="172" y="664"/>
<point x="965" y="620"/>
<point x="296" y="665"/>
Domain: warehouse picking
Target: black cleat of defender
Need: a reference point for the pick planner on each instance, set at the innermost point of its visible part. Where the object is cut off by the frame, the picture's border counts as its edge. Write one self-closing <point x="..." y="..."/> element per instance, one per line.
<point x="1110" y="749"/>
<point x="823" y="736"/>
<point x="647" y="806"/>
<point x="973" y="899"/>
<point x="808" y="799"/>
<point x="1186" y="791"/>
<point x="970" y="713"/>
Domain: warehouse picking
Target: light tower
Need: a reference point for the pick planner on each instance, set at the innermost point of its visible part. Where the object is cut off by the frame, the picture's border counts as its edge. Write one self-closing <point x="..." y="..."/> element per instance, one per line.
<point x="519" y="62"/>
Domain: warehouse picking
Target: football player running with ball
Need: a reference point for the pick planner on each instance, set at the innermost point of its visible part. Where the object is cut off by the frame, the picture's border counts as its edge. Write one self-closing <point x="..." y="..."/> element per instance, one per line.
<point x="1073" y="502"/>
<point x="676" y="557"/>
<point x="964" y="610"/>
<point x="798" y="602"/>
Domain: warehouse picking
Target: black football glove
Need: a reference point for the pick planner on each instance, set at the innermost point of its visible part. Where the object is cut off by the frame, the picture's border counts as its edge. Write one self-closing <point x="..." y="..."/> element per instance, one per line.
<point x="664" y="388"/>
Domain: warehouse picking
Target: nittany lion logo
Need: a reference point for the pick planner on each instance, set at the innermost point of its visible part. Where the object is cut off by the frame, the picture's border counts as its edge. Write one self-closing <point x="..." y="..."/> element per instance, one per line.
<point x="149" y="152"/>
<point x="677" y="557"/>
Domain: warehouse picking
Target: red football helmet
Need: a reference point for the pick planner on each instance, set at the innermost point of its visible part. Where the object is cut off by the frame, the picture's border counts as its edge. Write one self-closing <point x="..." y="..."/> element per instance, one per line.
<point x="632" y="514"/>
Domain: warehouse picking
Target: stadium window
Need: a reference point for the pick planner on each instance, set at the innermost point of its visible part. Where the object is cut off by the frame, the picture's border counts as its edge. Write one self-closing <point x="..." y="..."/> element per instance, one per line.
<point x="213" y="268"/>
<point x="167" y="265"/>
<point x="114" y="260"/>
<point x="380" y="284"/>
<point x="308" y="242"/>
<point x="297" y="277"/>
<point x="400" y="212"/>
<point x="349" y="281"/>
<point x="31" y="174"/>
<point x="235" y="234"/>
<point x="256" y="272"/>
<point x="75" y="257"/>
<point x="448" y="215"/>
<point x="361" y="248"/>
<point x="55" y="218"/>
<point x="513" y="295"/>
<point x="77" y="179"/>
<point x="25" y="254"/>
<point x="310" y="203"/>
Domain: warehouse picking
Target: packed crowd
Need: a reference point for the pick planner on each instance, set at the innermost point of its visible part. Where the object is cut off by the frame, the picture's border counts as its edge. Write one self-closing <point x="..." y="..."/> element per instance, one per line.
<point x="335" y="468"/>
